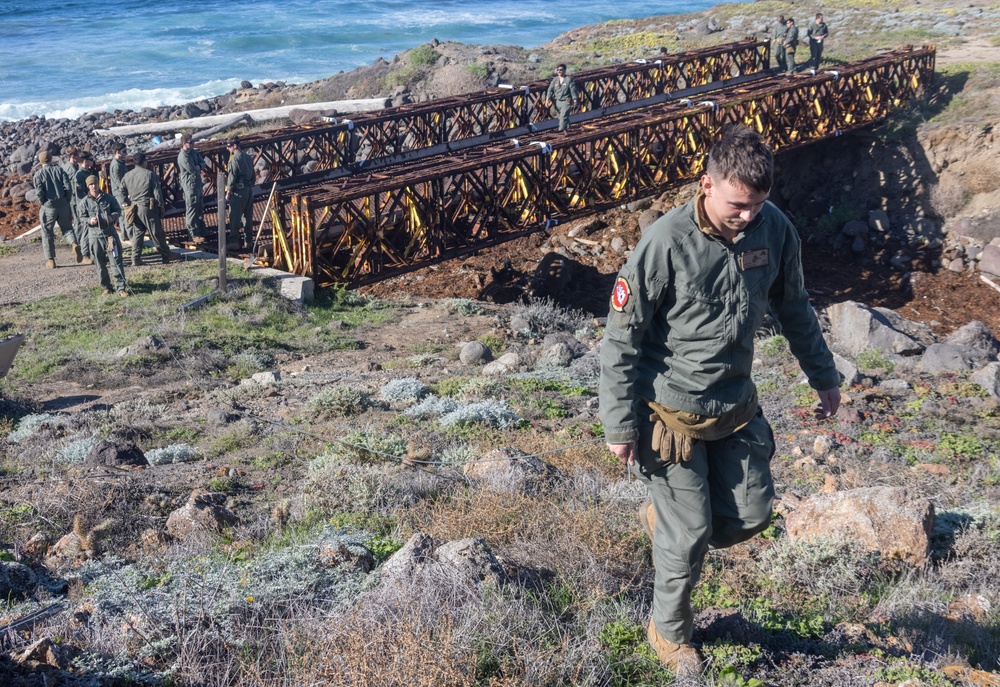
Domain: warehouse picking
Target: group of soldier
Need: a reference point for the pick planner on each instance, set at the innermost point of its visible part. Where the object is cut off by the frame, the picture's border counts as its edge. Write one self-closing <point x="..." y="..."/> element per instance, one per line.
<point x="90" y="219"/>
<point x="786" y="42"/>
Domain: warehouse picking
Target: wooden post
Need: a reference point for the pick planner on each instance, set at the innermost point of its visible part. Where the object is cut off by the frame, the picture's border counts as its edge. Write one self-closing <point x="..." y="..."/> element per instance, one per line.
<point x="220" y="185"/>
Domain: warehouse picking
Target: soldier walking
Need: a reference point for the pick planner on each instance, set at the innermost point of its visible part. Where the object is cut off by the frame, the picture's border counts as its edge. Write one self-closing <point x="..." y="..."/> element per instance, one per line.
<point x="99" y="212"/>
<point x="190" y="163"/>
<point x="141" y="189"/>
<point x="677" y="398"/>
<point x="562" y="93"/>
<point x="54" y="190"/>
<point x="817" y="32"/>
<point x="240" y="179"/>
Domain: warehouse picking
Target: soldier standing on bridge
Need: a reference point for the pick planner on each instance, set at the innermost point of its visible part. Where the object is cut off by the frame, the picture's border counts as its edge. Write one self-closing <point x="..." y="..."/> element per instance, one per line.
<point x="563" y="94"/>
<point x="791" y="44"/>
<point x="817" y="32"/>
<point x="116" y="171"/>
<point x="141" y="189"/>
<point x="677" y="400"/>
<point x="239" y="186"/>
<point x="190" y="163"/>
<point x="778" y="41"/>
<point x="99" y="212"/>
<point x="54" y="190"/>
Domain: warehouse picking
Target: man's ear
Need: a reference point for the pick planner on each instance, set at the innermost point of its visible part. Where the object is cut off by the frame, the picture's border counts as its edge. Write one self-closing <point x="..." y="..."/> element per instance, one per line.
<point x="706" y="184"/>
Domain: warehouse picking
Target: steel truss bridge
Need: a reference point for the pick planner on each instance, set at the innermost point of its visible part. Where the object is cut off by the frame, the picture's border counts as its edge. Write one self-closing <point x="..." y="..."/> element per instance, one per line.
<point x="358" y="201"/>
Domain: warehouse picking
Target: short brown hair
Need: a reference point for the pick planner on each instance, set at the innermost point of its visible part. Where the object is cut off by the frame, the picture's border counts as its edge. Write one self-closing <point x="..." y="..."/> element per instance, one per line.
<point x="233" y="142"/>
<point x="185" y="137"/>
<point x="139" y="158"/>
<point x="742" y="156"/>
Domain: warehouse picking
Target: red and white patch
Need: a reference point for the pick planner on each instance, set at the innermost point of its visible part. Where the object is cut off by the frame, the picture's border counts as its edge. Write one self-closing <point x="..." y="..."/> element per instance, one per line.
<point x="620" y="294"/>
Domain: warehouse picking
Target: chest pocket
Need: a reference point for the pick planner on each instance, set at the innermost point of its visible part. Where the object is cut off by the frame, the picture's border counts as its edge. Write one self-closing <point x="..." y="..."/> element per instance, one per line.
<point x="697" y="315"/>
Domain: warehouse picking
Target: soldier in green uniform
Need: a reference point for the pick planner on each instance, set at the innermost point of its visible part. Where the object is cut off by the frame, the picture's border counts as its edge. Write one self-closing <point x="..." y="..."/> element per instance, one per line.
<point x="190" y="163"/>
<point x="86" y="167"/>
<point x="71" y="166"/>
<point x="240" y="179"/>
<point x="778" y="41"/>
<point x="791" y="44"/>
<point x="817" y="32"/>
<point x="676" y="397"/>
<point x="141" y="188"/>
<point x="116" y="171"/>
<point x="562" y="93"/>
<point x="54" y="190"/>
<point x="99" y="212"/>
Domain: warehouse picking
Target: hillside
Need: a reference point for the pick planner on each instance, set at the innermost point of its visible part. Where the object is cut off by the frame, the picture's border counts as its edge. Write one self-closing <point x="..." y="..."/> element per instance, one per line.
<point x="408" y="486"/>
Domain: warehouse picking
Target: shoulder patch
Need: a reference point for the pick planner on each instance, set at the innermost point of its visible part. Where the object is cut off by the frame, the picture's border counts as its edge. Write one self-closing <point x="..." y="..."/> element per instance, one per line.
<point x="621" y="294"/>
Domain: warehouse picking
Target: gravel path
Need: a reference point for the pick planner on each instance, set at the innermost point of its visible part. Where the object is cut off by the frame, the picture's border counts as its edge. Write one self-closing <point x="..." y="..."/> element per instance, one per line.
<point x="25" y="278"/>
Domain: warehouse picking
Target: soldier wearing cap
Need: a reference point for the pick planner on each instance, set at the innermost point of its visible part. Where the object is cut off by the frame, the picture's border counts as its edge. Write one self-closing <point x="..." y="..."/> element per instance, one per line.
<point x="191" y="163"/>
<point x="240" y="179"/>
<point x="54" y="190"/>
<point x="99" y="212"/>
<point x="141" y="189"/>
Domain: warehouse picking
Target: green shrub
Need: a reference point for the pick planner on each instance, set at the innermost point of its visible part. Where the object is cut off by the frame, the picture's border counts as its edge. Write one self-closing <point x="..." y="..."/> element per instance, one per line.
<point x="424" y="55"/>
<point x="340" y="400"/>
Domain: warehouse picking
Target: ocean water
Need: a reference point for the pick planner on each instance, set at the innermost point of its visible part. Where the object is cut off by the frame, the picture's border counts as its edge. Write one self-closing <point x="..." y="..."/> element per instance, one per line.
<point x="63" y="58"/>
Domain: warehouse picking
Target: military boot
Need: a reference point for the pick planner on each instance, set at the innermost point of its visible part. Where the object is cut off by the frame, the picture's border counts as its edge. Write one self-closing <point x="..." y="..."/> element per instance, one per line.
<point x="77" y="252"/>
<point x="50" y="264"/>
<point x="683" y="660"/>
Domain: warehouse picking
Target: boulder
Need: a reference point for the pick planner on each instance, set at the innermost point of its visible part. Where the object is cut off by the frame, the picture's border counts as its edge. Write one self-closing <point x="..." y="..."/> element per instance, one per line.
<point x="976" y="335"/>
<point x="505" y="364"/>
<point x="475" y="353"/>
<point x="557" y="355"/>
<point x="989" y="260"/>
<point x="855" y="328"/>
<point x="509" y="469"/>
<point x="464" y="561"/>
<point x="148" y="345"/>
<point x="883" y="519"/>
<point x="647" y="217"/>
<point x="946" y="357"/>
<point x="988" y="378"/>
<point x="471" y="559"/>
<point x="17" y="581"/>
<point x="115" y="454"/>
<point x="878" y="221"/>
<point x="204" y="512"/>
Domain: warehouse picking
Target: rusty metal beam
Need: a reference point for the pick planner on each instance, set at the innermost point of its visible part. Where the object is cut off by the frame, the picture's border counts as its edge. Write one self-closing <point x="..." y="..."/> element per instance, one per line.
<point x="361" y="228"/>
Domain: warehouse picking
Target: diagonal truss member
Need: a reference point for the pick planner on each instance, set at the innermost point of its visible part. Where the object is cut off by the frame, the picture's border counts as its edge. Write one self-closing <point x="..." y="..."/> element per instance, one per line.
<point x="370" y="226"/>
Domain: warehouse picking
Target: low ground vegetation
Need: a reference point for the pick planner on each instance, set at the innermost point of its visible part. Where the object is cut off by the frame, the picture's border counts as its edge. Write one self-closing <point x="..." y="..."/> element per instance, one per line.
<point x="333" y="458"/>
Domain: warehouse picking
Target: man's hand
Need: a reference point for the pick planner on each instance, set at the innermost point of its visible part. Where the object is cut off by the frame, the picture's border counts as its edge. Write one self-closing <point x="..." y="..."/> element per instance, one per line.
<point x="93" y="221"/>
<point x="625" y="452"/>
<point x="829" y="401"/>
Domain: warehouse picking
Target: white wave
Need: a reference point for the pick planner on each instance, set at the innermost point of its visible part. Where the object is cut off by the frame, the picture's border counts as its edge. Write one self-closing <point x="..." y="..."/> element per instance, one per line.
<point x="131" y="99"/>
<point x="430" y="18"/>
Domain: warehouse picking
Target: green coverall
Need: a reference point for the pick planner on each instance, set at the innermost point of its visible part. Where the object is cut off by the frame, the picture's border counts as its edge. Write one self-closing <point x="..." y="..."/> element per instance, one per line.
<point x="190" y="163"/>
<point x="562" y="91"/>
<point x="685" y="310"/>
<point x="117" y="171"/>
<point x="53" y="187"/>
<point x="239" y="183"/>
<point x="141" y="187"/>
<point x="105" y="209"/>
